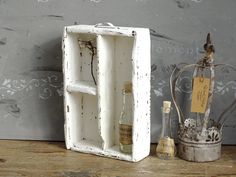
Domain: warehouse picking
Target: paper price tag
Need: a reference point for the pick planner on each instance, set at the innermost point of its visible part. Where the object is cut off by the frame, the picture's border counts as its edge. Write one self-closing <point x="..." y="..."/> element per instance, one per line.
<point x="200" y="94"/>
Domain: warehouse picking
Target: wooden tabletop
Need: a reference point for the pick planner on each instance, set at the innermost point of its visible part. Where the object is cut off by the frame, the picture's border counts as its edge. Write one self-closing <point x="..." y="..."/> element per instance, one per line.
<point x="46" y="159"/>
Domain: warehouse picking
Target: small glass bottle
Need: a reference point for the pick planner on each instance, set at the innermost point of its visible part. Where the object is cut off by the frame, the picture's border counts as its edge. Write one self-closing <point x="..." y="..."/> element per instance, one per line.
<point x="166" y="146"/>
<point x="126" y="120"/>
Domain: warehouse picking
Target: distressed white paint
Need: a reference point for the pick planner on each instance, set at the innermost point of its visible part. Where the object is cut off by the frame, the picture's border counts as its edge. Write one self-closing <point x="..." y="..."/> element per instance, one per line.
<point x="84" y="87"/>
<point x="92" y="111"/>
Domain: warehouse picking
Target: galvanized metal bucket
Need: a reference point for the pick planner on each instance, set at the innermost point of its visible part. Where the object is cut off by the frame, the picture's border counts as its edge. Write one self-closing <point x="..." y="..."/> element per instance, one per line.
<point x="199" y="152"/>
<point x="196" y="146"/>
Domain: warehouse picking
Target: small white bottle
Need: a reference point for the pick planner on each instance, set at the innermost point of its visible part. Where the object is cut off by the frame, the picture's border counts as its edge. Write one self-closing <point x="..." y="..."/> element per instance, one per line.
<point x="126" y="120"/>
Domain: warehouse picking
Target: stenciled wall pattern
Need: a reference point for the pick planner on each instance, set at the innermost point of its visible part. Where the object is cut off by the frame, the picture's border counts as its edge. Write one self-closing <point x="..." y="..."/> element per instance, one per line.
<point x="31" y="82"/>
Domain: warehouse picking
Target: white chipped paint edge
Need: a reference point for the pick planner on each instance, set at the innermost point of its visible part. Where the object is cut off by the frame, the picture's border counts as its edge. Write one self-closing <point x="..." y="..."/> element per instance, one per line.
<point x="85" y="87"/>
<point x="67" y="121"/>
<point x="89" y="29"/>
<point x="112" y="152"/>
<point x="141" y="90"/>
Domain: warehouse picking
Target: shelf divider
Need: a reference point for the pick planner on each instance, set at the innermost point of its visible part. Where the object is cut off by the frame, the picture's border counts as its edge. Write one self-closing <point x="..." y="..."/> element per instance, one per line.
<point x="83" y="87"/>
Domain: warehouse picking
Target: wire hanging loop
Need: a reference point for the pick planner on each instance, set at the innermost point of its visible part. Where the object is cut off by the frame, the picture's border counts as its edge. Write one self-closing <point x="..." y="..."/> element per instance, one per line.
<point x="105" y="25"/>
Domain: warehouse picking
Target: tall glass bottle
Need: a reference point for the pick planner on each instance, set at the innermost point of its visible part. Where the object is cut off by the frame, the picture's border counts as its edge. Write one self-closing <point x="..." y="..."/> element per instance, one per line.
<point x="166" y="146"/>
<point x="126" y="119"/>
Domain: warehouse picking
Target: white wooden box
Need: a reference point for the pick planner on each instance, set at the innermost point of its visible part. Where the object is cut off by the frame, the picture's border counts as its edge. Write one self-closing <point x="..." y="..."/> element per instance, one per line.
<point x="92" y="111"/>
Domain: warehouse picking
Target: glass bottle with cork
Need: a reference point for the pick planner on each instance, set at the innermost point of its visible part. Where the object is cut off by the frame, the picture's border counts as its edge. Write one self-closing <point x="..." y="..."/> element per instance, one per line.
<point x="126" y="119"/>
<point x="166" y="146"/>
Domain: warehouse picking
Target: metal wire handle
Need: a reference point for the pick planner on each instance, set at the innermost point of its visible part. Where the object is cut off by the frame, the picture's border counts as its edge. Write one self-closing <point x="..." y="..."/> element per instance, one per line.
<point x="105" y="25"/>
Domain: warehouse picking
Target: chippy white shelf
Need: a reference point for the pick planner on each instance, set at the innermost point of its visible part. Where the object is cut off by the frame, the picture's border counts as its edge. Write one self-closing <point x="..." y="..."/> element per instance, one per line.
<point x="82" y="86"/>
<point x="93" y="95"/>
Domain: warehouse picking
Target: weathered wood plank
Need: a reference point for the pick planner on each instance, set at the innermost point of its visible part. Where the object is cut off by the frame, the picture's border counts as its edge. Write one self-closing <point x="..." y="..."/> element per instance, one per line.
<point x="51" y="159"/>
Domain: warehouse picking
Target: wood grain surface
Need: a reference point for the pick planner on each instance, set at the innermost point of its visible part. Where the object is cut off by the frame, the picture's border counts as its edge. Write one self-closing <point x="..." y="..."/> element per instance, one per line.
<point x="51" y="159"/>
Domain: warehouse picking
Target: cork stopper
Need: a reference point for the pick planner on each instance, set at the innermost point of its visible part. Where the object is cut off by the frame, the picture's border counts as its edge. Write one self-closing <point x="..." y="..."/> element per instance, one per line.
<point x="127" y="87"/>
<point x="166" y="106"/>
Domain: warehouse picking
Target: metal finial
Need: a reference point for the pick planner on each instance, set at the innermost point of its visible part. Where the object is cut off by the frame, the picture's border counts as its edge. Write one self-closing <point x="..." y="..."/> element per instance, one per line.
<point x="208" y="47"/>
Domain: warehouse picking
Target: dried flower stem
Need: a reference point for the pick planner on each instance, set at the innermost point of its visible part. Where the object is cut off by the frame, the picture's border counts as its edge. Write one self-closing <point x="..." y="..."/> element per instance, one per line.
<point x="89" y="45"/>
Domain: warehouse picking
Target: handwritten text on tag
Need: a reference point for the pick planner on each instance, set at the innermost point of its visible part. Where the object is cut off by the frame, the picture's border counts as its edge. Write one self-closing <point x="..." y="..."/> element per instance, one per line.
<point x="200" y="94"/>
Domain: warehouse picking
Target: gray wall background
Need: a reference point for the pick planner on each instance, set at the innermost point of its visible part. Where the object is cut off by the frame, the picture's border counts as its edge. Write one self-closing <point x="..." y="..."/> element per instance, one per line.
<point x="31" y="98"/>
